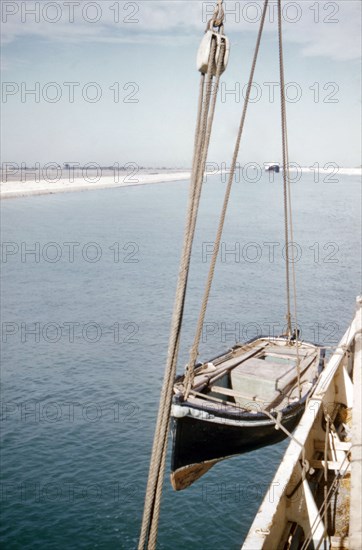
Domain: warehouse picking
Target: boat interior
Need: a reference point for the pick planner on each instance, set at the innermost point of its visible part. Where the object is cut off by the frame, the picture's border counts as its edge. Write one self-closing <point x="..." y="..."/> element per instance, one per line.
<point x="259" y="376"/>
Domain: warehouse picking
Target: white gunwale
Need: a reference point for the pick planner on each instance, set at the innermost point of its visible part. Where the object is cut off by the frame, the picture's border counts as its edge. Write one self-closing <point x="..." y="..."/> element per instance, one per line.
<point x="277" y="511"/>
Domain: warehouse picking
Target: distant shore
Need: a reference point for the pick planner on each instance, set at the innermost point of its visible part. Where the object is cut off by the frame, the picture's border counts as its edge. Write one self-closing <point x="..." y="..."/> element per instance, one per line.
<point x="16" y="188"/>
<point x="13" y="187"/>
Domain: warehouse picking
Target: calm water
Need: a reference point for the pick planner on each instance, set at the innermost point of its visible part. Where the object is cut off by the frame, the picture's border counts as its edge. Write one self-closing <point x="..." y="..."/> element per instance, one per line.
<point x="85" y="325"/>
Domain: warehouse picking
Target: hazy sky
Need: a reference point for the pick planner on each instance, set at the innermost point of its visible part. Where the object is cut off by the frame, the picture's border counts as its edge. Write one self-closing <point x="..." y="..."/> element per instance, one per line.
<point x="116" y="82"/>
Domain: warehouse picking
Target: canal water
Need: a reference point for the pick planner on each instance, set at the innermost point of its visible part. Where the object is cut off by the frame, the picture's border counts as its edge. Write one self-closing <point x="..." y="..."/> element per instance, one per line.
<point x="88" y="282"/>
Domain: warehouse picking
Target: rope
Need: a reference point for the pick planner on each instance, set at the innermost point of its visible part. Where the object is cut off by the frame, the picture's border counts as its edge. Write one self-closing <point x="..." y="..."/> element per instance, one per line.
<point x="218" y="15"/>
<point x="285" y="164"/>
<point x="190" y="373"/>
<point x="288" y="220"/>
<point x="200" y="163"/>
<point x="293" y="276"/>
<point x="326" y="504"/>
<point x="281" y="427"/>
<point x="325" y="491"/>
<point x="206" y="109"/>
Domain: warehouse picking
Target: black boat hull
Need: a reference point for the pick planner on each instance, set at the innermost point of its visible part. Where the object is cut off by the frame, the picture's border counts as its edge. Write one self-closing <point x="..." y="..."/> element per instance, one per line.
<point x="207" y="428"/>
<point x="196" y="440"/>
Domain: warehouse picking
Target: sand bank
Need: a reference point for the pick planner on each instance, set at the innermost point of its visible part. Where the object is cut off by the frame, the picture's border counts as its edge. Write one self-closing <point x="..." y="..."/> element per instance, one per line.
<point x="16" y="188"/>
<point x="13" y="189"/>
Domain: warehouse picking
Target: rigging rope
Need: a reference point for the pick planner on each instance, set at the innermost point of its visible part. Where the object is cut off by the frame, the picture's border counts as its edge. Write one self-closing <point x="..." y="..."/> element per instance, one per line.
<point x="206" y="109"/>
<point x="190" y="373"/>
<point x="288" y="221"/>
<point x="200" y="165"/>
<point x="285" y="166"/>
<point x="218" y="16"/>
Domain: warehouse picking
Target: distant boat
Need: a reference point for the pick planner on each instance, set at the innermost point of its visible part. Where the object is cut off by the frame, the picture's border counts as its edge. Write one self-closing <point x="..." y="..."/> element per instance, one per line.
<point x="272" y="167"/>
<point x="240" y="401"/>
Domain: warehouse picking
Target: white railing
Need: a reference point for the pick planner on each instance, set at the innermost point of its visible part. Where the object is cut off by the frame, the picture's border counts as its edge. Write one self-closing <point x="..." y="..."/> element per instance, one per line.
<point x="334" y="385"/>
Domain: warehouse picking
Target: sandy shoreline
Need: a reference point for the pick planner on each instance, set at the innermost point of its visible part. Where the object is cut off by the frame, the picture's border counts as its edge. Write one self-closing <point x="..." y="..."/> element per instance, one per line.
<point x="16" y="189"/>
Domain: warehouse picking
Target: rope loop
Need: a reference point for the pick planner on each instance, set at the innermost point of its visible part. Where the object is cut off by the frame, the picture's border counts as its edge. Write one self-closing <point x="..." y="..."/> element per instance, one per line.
<point x="217" y="19"/>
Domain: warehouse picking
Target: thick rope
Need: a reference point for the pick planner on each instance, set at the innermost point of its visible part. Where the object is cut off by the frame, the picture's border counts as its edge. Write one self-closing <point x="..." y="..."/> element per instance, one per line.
<point x="285" y="165"/>
<point x="158" y="450"/>
<point x="326" y="445"/>
<point x="205" y="135"/>
<point x="218" y="16"/>
<point x="288" y="220"/>
<point x="158" y="445"/>
<point x="206" y="111"/>
<point x="151" y="513"/>
<point x="194" y="350"/>
<point x="294" y="283"/>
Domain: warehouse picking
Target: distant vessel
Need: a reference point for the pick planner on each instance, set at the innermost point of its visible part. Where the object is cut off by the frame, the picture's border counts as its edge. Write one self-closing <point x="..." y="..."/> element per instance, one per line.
<point x="272" y="167"/>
